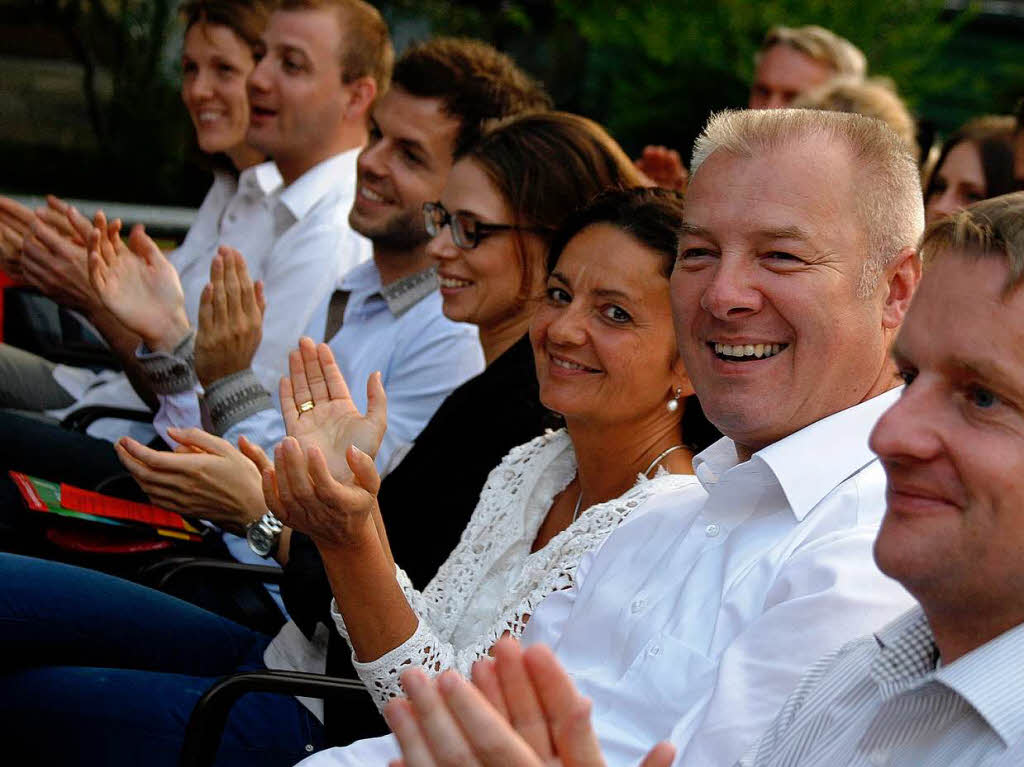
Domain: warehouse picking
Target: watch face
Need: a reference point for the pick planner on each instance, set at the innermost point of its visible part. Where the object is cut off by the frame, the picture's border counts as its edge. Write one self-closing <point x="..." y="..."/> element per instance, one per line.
<point x="259" y="540"/>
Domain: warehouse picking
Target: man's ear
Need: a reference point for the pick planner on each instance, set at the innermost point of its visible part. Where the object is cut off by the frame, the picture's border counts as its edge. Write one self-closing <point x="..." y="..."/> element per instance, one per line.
<point x="902" y="277"/>
<point x="361" y="94"/>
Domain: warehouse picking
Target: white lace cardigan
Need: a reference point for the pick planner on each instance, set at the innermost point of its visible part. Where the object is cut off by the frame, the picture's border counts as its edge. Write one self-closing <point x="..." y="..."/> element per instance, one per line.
<point x="491" y="583"/>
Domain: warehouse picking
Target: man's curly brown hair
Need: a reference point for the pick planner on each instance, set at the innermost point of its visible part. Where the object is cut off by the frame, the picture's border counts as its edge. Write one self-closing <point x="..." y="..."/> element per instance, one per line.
<point x="474" y="82"/>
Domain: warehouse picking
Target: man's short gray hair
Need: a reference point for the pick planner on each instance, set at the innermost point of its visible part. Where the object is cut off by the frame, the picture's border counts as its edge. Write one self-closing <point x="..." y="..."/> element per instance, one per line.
<point x="889" y="199"/>
<point x="820" y="44"/>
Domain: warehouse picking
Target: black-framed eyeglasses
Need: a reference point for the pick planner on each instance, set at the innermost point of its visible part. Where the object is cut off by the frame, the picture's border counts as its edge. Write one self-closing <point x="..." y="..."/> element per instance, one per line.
<point x="467" y="232"/>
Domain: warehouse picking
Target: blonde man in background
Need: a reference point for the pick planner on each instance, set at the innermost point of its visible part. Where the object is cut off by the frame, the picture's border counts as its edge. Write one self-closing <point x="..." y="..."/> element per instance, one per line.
<point x="793" y="60"/>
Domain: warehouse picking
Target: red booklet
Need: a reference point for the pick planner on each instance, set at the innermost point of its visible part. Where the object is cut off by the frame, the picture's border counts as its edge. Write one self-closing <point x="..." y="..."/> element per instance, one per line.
<point x="68" y="501"/>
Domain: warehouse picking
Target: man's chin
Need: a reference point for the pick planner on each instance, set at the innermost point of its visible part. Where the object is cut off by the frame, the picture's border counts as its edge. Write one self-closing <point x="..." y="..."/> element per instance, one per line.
<point x="392" y="234"/>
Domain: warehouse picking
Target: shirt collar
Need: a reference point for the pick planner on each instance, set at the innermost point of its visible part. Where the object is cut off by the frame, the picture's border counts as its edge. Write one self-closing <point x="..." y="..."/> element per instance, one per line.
<point x="363" y="281"/>
<point x="403" y="295"/>
<point x="990" y="678"/>
<point x="906" y="653"/>
<point x="307" y="190"/>
<point x="812" y="462"/>
<point x="265" y="176"/>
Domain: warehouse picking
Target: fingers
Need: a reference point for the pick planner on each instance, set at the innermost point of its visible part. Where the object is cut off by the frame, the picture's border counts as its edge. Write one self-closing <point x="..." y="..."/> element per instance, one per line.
<point x="50" y="238"/>
<point x="142" y="245"/>
<point x="105" y="243"/>
<point x="299" y="385"/>
<point x="352" y="501"/>
<point x="376" y="404"/>
<point x="59" y="221"/>
<point x="15" y="215"/>
<point x="525" y="711"/>
<point x="96" y="264"/>
<point x="485" y="677"/>
<point x="179" y="464"/>
<point x="445" y="740"/>
<point x="289" y="406"/>
<point x="314" y="372"/>
<point x="662" y="755"/>
<point x="566" y="712"/>
<point x="254" y="453"/>
<point x="271" y="494"/>
<point x="363" y="469"/>
<point x="156" y="484"/>
<point x="218" y="293"/>
<point x="206" y="321"/>
<point x="238" y="284"/>
<point x="293" y="479"/>
<point x="207" y="442"/>
<point x="402" y="721"/>
<point x="261" y="299"/>
<point x="337" y="388"/>
<point x="491" y="737"/>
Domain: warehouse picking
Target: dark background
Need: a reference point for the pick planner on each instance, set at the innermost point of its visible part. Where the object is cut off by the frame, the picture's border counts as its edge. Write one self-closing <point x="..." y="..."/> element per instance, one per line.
<point x="89" y="103"/>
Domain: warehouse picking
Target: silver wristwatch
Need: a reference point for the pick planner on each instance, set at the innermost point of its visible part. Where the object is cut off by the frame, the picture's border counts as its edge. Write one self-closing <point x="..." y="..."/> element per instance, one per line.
<point x="264" y="534"/>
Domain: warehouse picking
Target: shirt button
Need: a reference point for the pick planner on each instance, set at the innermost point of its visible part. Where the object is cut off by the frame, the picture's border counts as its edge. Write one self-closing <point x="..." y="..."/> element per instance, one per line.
<point x="879" y="758"/>
<point x="638" y="605"/>
<point x="712" y="530"/>
<point x="655" y="651"/>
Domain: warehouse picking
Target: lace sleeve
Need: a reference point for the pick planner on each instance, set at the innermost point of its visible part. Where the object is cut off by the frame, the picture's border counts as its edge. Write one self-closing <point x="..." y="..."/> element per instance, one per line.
<point x="429" y="651"/>
<point x="412" y="596"/>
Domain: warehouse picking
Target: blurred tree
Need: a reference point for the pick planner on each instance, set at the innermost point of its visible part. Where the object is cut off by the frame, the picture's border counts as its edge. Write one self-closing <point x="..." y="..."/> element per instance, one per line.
<point x="651" y="71"/>
<point x="125" y="49"/>
<point x="658" y="67"/>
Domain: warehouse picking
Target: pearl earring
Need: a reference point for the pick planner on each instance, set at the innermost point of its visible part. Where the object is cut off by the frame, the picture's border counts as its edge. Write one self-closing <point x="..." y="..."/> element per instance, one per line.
<point x="673" y="404"/>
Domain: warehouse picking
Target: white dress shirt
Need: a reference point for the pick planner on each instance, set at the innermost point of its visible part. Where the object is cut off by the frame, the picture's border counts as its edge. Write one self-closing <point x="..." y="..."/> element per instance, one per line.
<point x="884" y="701"/>
<point x="695" y="619"/>
<point x="694" y="622"/>
<point x="234" y="212"/>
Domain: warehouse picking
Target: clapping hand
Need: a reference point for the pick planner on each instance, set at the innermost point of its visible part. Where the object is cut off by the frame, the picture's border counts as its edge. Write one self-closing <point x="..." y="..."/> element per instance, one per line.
<point x="664" y="167"/>
<point x="15" y="225"/>
<point x="301" y="492"/>
<point x="137" y="284"/>
<point x="54" y="259"/>
<point x="230" y="318"/>
<point x="324" y="482"/>
<point x="522" y="710"/>
<point x="205" y="476"/>
<point x="319" y="412"/>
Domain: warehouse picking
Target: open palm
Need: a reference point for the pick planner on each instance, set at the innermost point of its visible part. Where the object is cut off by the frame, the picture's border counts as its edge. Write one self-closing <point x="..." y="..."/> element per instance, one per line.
<point x="334" y="422"/>
<point x="137" y="284"/>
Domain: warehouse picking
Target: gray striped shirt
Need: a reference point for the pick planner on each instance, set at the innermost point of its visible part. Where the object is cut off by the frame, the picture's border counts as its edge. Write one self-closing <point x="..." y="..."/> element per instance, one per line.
<point x="884" y="700"/>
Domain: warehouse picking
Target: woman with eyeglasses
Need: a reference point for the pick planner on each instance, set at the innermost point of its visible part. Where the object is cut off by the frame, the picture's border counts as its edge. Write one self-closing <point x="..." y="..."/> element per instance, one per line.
<point x="605" y="358"/>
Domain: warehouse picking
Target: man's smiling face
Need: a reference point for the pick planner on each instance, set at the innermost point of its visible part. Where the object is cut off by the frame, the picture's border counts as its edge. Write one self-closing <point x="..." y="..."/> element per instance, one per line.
<point x="766" y="293"/>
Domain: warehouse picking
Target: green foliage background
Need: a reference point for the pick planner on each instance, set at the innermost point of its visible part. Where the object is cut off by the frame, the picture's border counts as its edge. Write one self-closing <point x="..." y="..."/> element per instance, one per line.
<point x="651" y="70"/>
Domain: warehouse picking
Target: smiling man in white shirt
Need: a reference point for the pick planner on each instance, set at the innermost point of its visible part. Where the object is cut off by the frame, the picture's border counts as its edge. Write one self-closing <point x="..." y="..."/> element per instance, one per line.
<point x="694" y="621"/>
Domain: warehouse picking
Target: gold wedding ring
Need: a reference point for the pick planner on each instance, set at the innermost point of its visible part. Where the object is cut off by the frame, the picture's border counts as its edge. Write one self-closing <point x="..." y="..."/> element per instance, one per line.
<point x="306" y="406"/>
